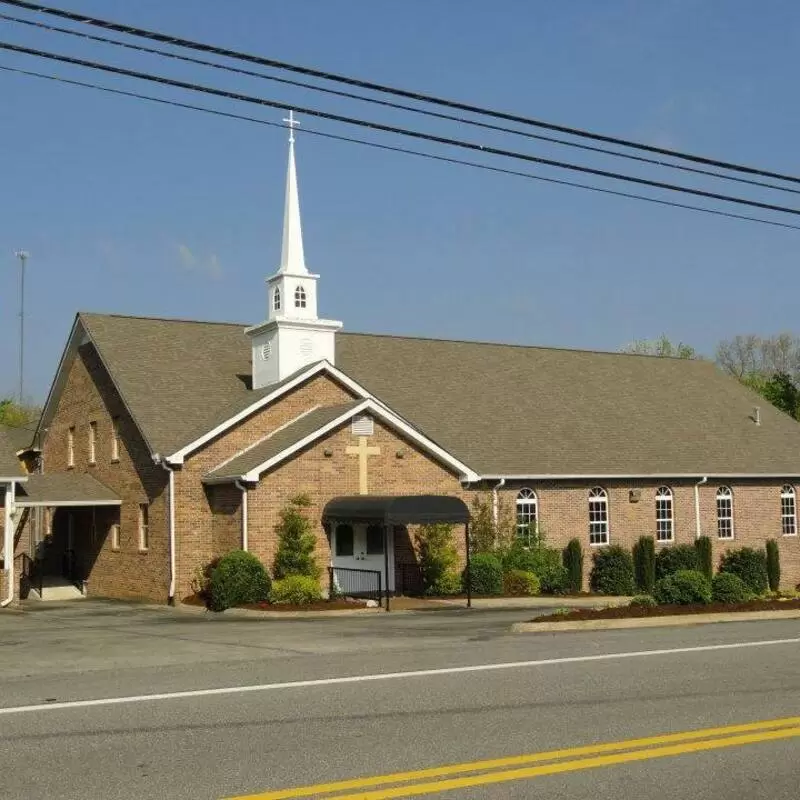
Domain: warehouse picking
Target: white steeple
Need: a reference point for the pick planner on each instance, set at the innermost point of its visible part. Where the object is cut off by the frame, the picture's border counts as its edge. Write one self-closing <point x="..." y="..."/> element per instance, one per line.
<point x="292" y="335"/>
<point x="292" y="257"/>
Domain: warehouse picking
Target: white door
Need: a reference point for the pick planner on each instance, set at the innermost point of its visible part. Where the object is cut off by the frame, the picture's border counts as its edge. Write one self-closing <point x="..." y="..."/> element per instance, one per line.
<point x="360" y="547"/>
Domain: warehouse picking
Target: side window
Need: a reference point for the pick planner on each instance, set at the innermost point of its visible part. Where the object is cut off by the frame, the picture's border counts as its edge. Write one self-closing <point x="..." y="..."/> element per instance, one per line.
<point x="344" y="540"/>
<point x="374" y="540"/>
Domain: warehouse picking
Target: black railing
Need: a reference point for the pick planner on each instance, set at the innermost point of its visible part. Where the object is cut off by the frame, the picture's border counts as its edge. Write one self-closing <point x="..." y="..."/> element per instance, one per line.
<point x="362" y="583"/>
<point x="410" y="580"/>
<point x="31" y="575"/>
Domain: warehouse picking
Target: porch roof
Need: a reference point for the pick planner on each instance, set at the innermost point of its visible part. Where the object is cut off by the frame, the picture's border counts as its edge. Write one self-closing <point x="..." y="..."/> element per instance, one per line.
<point x="420" y="509"/>
<point x="65" y="489"/>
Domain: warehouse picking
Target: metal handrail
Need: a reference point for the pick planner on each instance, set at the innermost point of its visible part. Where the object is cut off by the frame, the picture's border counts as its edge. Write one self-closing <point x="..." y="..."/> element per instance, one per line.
<point x="372" y="591"/>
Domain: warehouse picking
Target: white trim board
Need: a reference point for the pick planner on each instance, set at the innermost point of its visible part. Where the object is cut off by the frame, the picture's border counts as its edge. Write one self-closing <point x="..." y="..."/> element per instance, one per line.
<point x="66" y="503"/>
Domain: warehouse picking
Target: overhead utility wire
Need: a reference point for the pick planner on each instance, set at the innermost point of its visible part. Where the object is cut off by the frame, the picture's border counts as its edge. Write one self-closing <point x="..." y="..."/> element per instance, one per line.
<point x="395" y="130"/>
<point x="377" y="87"/>
<point x="390" y="104"/>
<point x="396" y="149"/>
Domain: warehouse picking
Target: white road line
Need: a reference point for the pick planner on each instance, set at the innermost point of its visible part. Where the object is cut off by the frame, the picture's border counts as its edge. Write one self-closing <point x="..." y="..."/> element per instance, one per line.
<point x="387" y="676"/>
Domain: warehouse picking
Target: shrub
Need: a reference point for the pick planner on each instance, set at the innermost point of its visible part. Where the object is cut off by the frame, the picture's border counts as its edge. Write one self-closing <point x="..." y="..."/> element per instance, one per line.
<point x="437" y="556"/>
<point x="773" y="565"/>
<point x="612" y="572"/>
<point x="519" y="583"/>
<point x="448" y="583"/>
<point x="573" y="564"/>
<point x="704" y="559"/>
<point x="729" y="588"/>
<point x="238" y="578"/>
<point x="644" y="563"/>
<point x="683" y="588"/>
<point x="750" y="565"/>
<point x="486" y="574"/>
<point x="643" y="601"/>
<point x="296" y="542"/>
<point x="201" y="580"/>
<point x="297" y="590"/>
<point x="544" y="562"/>
<point x="679" y="558"/>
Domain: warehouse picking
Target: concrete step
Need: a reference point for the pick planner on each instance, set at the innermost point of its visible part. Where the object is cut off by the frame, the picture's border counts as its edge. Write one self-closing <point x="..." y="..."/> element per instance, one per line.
<point x="54" y="589"/>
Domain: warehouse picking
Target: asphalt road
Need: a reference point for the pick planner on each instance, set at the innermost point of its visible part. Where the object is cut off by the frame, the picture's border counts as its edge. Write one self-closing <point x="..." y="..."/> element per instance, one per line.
<point x="338" y="723"/>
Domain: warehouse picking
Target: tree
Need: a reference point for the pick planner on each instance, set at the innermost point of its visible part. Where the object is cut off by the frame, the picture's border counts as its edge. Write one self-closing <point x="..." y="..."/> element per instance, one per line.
<point x="296" y="541"/>
<point x="662" y="346"/>
<point x="17" y="416"/>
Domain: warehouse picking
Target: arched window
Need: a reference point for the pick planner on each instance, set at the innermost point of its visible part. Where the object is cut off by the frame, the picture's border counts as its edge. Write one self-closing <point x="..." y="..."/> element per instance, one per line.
<point x="527" y="515"/>
<point x="665" y="524"/>
<point x="598" y="516"/>
<point x="299" y="297"/>
<point x="724" y="513"/>
<point x="276" y="299"/>
<point x="788" y="511"/>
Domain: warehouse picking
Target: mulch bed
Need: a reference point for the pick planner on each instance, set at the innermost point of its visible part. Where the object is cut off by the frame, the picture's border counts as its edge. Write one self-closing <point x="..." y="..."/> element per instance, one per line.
<point x="630" y="612"/>
<point x="322" y="605"/>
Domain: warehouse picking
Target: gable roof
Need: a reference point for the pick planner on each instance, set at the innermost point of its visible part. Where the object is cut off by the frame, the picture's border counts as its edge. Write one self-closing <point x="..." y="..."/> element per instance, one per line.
<point x="12" y="441"/>
<point x="502" y="409"/>
<point x="66" y="489"/>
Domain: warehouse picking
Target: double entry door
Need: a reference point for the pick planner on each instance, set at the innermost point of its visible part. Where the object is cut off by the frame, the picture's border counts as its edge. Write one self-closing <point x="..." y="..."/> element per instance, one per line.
<point x="360" y="547"/>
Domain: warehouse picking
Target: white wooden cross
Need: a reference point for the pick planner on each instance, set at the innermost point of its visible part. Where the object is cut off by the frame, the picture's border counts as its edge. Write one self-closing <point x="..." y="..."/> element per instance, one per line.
<point x="363" y="451"/>
<point x="291" y="123"/>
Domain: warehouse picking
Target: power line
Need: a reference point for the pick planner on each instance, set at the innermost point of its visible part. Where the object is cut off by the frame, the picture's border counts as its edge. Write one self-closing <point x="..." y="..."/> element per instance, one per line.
<point x="450" y="142"/>
<point x="383" y="89"/>
<point x="396" y="149"/>
<point x="390" y="104"/>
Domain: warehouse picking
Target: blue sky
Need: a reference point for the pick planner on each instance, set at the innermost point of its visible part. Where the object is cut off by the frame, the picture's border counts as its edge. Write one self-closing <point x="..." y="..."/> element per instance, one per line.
<point x="140" y="209"/>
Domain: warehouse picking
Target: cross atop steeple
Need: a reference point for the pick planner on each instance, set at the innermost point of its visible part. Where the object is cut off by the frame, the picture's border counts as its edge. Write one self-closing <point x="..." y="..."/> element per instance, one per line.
<point x="291" y="123"/>
<point x="292" y="257"/>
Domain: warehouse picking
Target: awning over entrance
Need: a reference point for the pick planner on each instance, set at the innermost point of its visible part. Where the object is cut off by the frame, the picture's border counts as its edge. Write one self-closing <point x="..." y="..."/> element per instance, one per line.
<point x="413" y="509"/>
<point x="423" y="509"/>
<point x="64" y="489"/>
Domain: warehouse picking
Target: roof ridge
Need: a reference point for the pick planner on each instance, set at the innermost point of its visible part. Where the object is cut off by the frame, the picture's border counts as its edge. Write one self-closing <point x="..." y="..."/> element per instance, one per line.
<point x="148" y="318"/>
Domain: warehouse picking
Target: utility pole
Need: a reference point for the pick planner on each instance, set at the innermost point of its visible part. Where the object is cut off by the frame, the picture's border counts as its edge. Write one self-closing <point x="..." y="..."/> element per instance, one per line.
<point x="23" y="256"/>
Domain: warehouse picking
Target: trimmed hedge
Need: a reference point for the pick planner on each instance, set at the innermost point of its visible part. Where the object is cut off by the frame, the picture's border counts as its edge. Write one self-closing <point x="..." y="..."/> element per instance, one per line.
<point x="544" y="562"/>
<point x="612" y="573"/>
<point x="486" y="574"/>
<point x="729" y="588"/>
<point x="573" y="563"/>
<point x="704" y="558"/>
<point x="297" y="590"/>
<point x="644" y="563"/>
<point x="643" y="601"/>
<point x="750" y="565"/>
<point x="448" y="583"/>
<point x="678" y="558"/>
<point x="773" y="565"/>
<point x="238" y="578"/>
<point x="519" y="583"/>
<point x="683" y="588"/>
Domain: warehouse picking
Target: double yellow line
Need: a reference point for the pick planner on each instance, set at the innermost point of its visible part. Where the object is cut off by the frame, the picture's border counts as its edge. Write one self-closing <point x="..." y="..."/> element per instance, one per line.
<point x="513" y="768"/>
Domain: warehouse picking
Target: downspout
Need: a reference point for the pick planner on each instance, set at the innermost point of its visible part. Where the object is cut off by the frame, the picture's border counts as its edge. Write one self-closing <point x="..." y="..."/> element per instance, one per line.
<point x="496" y="503"/>
<point x="697" y="486"/>
<point x="171" y="531"/>
<point x="8" y="544"/>
<point x="242" y="487"/>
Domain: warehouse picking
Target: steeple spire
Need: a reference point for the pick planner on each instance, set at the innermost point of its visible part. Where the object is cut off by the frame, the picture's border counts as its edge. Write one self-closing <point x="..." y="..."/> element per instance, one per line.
<point x="292" y="257"/>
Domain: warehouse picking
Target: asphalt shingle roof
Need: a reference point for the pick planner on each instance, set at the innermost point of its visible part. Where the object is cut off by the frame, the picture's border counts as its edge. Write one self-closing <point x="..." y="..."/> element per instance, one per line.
<point x="501" y="409"/>
<point x="12" y="440"/>
<point x="65" y="487"/>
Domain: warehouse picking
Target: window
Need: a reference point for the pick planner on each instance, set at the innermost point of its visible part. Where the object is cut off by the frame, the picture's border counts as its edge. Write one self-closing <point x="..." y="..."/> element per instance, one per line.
<point x="344" y="540"/>
<point x="724" y="513"/>
<point x="144" y="526"/>
<point x="115" y="536"/>
<point x="374" y="540"/>
<point x="527" y="515"/>
<point x="665" y="526"/>
<point x="92" y="442"/>
<point x="598" y="516"/>
<point x="276" y="299"/>
<point x="71" y="447"/>
<point x="788" y="511"/>
<point x="115" y="439"/>
<point x="299" y="297"/>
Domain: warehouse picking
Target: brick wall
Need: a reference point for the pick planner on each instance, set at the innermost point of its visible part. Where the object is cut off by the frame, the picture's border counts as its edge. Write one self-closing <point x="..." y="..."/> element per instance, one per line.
<point x="225" y="501"/>
<point x="89" y="396"/>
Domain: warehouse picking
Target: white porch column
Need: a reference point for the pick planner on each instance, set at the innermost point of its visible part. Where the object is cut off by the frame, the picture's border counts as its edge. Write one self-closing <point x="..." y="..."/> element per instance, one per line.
<point x="8" y="543"/>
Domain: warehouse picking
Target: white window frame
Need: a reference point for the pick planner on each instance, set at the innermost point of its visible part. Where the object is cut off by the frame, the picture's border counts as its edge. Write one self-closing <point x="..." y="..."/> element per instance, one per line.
<point x="144" y="527"/>
<point x="276" y="299"/>
<point x="115" y="439"/>
<point x="665" y="515"/>
<point x="92" y="442"/>
<point x="599" y="534"/>
<point x="725" y="530"/>
<point x="527" y="513"/>
<point x="300" y="297"/>
<point x="788" y="510"/>
<point x="114" y="536"/>
<point x="71" y="446"/>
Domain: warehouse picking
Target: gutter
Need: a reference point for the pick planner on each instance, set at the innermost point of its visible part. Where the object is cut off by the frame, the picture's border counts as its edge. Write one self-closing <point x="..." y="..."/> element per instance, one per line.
<point x="495" y="502"/>
<point x="243" y="489"/>
<point x="8" y="545"/>
<point x="170" y="525"/>
<point x="697" y="486"/>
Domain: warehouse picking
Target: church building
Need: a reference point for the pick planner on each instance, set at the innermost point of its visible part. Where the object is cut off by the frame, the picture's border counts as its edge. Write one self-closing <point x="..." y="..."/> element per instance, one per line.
<point x="166" y="443"/>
